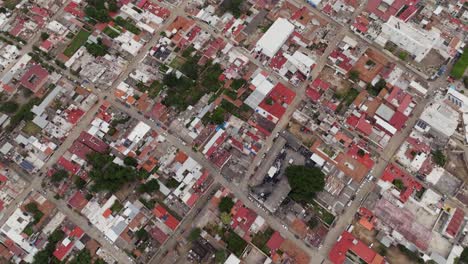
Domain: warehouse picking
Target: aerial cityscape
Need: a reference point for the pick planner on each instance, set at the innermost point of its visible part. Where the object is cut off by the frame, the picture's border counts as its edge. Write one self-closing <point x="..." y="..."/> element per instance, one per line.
<point x="234" y="131"/>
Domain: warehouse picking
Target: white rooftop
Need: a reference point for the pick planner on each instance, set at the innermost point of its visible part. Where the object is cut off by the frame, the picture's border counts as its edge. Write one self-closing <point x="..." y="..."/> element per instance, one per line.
<point x="275" y="37"/>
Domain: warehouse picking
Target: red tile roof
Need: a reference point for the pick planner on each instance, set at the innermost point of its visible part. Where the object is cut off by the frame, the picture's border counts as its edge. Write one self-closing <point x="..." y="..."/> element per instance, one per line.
<point x="398" y="120"/>
<point x="455" y="223"/>
<point x="158" y="235"/>
<point x="80" y="149"/>
<point x="71" y="167"/>
<point x="393" y="172"/>
<point x="62" y="250"/>
<point x="347" y="242"/>
<point x="169" y="220"/>
<point x="34" y="78"/>
<point x="78" y="201"/>
<point x="385" y="11"/>
<point x="275" y="242"/>
<point x="93" y="142"/>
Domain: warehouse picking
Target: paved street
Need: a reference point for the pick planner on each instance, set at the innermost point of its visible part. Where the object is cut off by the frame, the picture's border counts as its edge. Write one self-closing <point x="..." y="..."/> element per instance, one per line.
<point x="185" y="225"/>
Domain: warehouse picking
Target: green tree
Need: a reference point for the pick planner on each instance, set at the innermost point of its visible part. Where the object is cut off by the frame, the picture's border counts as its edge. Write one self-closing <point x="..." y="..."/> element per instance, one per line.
<point x="45" y="256"/>
<point x="313" y="222"/>
<point x="107" y="175"/>
<point x="172" y="183"/>
<point x="130" y="161"/>
<point x="9" y="107"/>
<point x="238" y="83"/>
<point x="149" y="187"/>
<point x="220" y="256"/>
<point x="59" y="175"/>
<point x="304" y="182"/>
<point x="83" y="257"/>
<point x="439" y="158"/>
<point x="44" y="35"/>
<point x="116" y="207"/>
<point x="80" y="183"/>
<point x="354" y="75"/>
<point x="463" y="257"/>
<point x="34" y="210"/>
<point x="235" y="243"/>
<point x="194" y="234"/>
<point x="398" y="183"/>
<point x="226" y="204"/>
<point x="100" y="261"/>
<point x="232" y="6"/>
<point x="217" y="117"/>
<point x="142" y="234"/>
<point x="225" y="218"/>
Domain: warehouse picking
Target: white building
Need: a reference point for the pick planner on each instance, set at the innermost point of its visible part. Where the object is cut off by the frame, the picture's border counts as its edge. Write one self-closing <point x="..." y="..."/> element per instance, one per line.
<point x="415" y="41"/>
<point x="438" y="119"/>
<point x="112" y="225"/>
<point x="263" y="86"/>
<point x="13" y="229"/>
<point x="275" y="37"/>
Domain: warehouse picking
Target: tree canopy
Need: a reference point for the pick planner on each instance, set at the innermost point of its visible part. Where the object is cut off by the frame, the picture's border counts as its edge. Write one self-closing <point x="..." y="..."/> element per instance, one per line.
<point x="149" y="187"/>
<point x="226" y="204"/>
<point x="83" y="257"/>
<point x="9" y="107"/>
<point x="464" y="256"/>
<point x="107" y="175"/>
<point x="45" y="256"/>
<point x="439" y="158"/>
<point x="59" y="175"/>
<point x="304" y="182"/>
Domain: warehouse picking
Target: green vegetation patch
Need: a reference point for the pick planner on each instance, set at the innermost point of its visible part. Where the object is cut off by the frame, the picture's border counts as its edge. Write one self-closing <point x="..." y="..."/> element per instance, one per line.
<point x="304" y="182"/>
<point x="234" y="243"/>
<point x="23" y="113"/>
<point x="261" y="238"/>
<point x="226" y="204"/>
<point x="439" y="157"/>
<point x="459" y="67"/>
<point x="127" y="24"/>
<point x="78" y="41"/>
<point x="108" y="176"/>
<point x="111" y="32"/>
<point x="31" y="129"/>
<point x="34" y="210"/>
<point x="323" y="213"/>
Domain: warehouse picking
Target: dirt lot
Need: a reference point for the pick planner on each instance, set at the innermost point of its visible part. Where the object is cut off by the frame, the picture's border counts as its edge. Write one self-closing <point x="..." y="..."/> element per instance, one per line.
<point x="392" y="254"/>
<point x="306" y="137"/>
<point x="456" y="165"/>
<point x="341" y="86"/>
<point x="431" y="63"/>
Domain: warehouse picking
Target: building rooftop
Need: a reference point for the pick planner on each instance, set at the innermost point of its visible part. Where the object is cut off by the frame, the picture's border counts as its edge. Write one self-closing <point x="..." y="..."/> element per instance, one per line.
<point x="271" y="42"/>
<point x="348" y="243"/>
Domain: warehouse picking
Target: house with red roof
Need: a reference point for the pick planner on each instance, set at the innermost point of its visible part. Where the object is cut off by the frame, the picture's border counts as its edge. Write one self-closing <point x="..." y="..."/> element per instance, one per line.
<point x="455" y="223"/>
<point x="275" y="242"/>
<point x="403" y="181"/>
<point x="158" y="235"/>
<point x="64" y="248"/>
<point x="35" y="78"/>
<point x="92" y="142"/>
<point x="385" y="9"/>
<point x="162" y="214"/>
<point x="68" y="165"/>
<point x="78" y="201"/>
<point x="349" y="249"/>
<point x="274" y="105"/>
